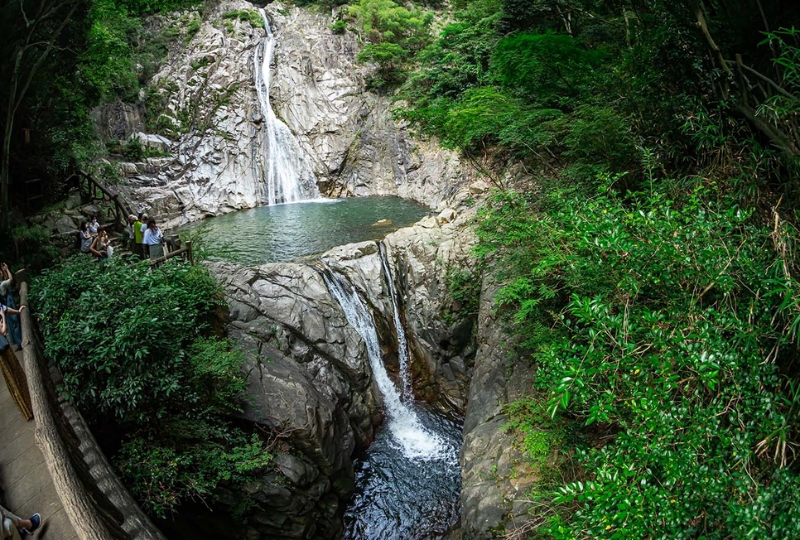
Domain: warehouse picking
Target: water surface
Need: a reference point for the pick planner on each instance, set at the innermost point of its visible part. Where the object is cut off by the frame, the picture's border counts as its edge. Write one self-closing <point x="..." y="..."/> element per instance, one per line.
<point x="402" y="498"/>
<point x="287" y="231"/>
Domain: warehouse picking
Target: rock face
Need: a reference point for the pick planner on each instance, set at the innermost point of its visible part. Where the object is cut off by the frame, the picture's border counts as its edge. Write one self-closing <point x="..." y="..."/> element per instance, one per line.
<point x="495" y="474"/>
<point x="309" y="381"/>
<point x="308" y="372"/>
<point x="211" y="116"/>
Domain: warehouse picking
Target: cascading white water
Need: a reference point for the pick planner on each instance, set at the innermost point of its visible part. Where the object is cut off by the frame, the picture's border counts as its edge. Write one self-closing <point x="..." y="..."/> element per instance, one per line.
<point x="287" y="177"/>
<point x="415" y="441"/>
<point x="402" y="344"/>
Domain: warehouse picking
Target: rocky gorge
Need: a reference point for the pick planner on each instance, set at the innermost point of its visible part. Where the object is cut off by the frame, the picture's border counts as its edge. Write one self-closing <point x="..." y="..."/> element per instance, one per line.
<point x="309" y="377"/>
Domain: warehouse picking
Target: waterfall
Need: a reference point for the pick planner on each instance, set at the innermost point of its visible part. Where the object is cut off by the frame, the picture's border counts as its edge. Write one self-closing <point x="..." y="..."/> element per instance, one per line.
<point x="288" y="178"/>
<point x="402" y="344"/>
<point x="415" y="441"/>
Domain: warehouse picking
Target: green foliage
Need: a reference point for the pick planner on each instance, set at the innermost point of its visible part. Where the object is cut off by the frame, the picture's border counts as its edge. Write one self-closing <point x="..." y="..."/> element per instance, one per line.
<point x="135" y="348"/>
<point x="459" y="58"/>
<point x="134" y="150"/>
<point x="188" y="460"/>
<point x="30" y="245"/>
<point x="192" y="28"/>
<point x="394" y="34"/>
<point x="145" y="7"/>
<point x="250" y="15"/>
<point x="541" y="435"/>
<point x="463" y="292"/>
<point x="121" y="335"/>
<point x="546" y="68"/>
<point x="339" y="27"/>
<point x="106" y="65"/>
<point x="653" y="316"/>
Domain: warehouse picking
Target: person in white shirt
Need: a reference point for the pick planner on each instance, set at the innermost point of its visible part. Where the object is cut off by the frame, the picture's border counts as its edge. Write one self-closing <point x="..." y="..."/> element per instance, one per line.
<point x="152" y="239"/>
<point x="94" y="226"/>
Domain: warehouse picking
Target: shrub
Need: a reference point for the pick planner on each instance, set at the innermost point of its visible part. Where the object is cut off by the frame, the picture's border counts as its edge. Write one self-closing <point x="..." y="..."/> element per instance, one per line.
<point x="135" y="349"/>
<point x="664" y="323"/>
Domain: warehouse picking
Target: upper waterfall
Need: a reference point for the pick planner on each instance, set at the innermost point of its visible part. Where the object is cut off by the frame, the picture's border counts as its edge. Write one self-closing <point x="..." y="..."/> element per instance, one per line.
<point x="287" y="176"/>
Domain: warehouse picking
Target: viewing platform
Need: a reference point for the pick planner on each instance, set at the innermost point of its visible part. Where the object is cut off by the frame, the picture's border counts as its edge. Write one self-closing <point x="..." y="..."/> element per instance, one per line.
<point x="25" y="481"/>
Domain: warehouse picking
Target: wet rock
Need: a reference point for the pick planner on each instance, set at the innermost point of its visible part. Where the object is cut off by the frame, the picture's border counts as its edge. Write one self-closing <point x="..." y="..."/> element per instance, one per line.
<point x="382" y="223"/>
<point x="296" y="470"/>
<point x="448" y="215"/>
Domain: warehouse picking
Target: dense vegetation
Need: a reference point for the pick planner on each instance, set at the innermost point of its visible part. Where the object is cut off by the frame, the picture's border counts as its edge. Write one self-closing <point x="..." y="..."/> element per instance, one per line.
<point x="61" y="59"/>
<point x="140" y="359"/>
<point x="645" y="238"/>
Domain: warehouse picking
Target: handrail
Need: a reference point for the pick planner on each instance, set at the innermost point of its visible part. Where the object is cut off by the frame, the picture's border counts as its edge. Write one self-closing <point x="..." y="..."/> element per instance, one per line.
<point x="185" y="250"/>
<point x="121" y="210"/>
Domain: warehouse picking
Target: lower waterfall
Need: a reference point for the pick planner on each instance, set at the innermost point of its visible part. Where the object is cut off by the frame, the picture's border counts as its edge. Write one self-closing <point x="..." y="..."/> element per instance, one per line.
<point x="402" y="342"/>
<point x="408" y="483"/>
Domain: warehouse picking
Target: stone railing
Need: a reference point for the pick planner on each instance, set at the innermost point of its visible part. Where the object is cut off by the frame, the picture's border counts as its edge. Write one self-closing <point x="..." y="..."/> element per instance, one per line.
<point x="98" y="505"/>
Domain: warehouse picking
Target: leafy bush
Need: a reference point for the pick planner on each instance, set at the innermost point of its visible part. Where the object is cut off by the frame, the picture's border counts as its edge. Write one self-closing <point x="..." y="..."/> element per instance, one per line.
<point x="134" y="150"/>
<point x="250" y="15"/>
<point x="664" y="322"/>
<point x="339" y="27"/>
<point x="393" y="34"/>
<point x="30" y="246"/>
<point x="135" y="349"/>
<point x="121" y="335"/>
<point x="463" y="292"/>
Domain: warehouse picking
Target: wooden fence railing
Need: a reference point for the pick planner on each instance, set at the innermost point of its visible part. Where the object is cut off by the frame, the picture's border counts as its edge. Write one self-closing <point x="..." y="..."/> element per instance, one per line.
<point x="89" y="186"/>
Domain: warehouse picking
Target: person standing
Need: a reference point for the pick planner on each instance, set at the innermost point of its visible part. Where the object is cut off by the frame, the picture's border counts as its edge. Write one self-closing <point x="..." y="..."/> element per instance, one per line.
<point x="138" y="236"/>
<point x="13" y="373"/>
<point x="7" y="297"/>
<point x="86" y="238"/>
<point x="152" y="239"/>
<point x="130" y="241"/>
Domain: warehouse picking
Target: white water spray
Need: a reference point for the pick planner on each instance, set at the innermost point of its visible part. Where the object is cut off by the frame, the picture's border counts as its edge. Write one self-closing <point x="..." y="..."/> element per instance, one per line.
<point x="402" y="343"/>
<point x="288" y="178"/>
<point x="415" y="441"/>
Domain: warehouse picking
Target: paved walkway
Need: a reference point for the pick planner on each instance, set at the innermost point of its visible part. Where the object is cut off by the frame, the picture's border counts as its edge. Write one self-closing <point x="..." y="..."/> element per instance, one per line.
<point x="23" y="473"/>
